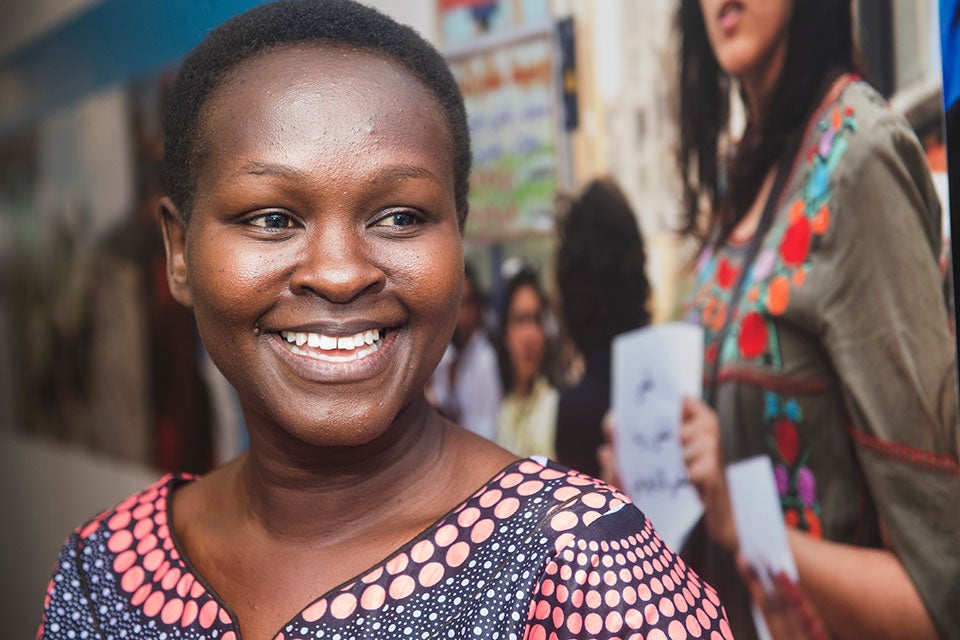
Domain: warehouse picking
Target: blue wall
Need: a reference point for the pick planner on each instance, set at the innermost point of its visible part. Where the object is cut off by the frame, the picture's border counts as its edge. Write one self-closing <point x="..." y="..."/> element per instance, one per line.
<point x="111" y="42"/>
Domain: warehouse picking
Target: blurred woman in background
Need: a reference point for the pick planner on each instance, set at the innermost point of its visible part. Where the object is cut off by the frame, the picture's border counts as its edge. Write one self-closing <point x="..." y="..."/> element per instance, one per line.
<point x="827" y="344"/>
<point x="528" y="413"/>
<point x="603" y="292"/>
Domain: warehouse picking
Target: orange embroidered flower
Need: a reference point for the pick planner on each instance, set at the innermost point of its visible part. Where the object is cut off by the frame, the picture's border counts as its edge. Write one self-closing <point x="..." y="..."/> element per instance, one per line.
<point x="814" y="526"/>
<point x="821" y="221"/>
<point x="796" y="211"/>
<point x="706" y="315"/>
<point x="778" y="295"/>
<point x="799" y="277"/>
<point x="719" y="317"/>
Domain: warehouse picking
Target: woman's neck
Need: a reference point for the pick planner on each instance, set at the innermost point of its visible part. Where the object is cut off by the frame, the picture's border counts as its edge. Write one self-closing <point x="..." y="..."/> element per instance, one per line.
<point x="523" y="388"/>
<point x="292" y="489"/>
<point x="761" y="82"/>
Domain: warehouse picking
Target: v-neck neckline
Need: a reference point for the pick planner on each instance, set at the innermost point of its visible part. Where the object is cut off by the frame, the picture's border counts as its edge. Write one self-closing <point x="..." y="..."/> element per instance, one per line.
<point x="178" y="555"/>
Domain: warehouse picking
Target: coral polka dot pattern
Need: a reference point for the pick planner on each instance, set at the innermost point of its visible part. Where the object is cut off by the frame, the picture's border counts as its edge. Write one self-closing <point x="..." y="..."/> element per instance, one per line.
<point x="537" y="552"/>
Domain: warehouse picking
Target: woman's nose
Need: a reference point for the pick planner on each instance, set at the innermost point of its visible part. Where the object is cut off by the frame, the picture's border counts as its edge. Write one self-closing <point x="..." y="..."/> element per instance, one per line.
<point x="336" y="264"/>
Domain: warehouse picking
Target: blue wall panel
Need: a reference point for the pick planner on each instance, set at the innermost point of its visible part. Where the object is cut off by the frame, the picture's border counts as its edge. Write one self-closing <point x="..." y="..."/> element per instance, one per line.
<point x="111" y="42"/>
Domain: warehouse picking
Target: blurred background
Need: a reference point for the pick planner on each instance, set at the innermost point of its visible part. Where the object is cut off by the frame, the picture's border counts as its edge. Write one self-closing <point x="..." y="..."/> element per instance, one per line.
<point x="103" y="381"/>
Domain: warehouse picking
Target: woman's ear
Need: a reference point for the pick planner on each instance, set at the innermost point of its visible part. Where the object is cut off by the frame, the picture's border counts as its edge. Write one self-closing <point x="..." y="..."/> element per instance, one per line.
<point x="175" y="241"/>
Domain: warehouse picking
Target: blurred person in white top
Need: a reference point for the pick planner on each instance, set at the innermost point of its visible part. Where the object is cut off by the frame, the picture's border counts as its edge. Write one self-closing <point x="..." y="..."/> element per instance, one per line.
<point x="465" y="387"/>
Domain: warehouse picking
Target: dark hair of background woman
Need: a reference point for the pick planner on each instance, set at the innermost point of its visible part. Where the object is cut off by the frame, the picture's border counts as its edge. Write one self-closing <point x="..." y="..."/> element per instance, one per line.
<point x="526" y="277"/>
<point x="820" y="47"/>
<point x="289" y="22"/>
<point x="601" y="267"/>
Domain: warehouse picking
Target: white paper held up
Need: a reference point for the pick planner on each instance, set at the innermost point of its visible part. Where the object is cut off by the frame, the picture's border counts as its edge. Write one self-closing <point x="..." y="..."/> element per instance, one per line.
<point x="653" y="369"/>
<point x="759" y="519"/>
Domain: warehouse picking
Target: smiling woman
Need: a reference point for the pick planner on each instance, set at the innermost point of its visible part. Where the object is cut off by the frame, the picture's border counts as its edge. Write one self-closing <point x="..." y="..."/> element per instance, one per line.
<point x="317" y="157"/>
<point x="326" y="207"/>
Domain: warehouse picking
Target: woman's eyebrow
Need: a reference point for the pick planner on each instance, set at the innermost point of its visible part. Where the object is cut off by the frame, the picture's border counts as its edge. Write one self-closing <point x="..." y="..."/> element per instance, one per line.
<point x="404" y="171"/>
<point x="269" y="169"/>
<point x="389" y="173"/>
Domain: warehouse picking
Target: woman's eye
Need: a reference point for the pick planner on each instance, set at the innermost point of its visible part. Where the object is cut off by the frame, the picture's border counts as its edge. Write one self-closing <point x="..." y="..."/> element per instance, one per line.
<point x="399" y="219"/>
<point x="272" y="221"/>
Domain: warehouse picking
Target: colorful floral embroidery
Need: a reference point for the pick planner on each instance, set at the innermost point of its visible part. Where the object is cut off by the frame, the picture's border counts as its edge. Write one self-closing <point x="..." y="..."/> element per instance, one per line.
<point x="780" y="267"/>
<point x="796" y="484"/>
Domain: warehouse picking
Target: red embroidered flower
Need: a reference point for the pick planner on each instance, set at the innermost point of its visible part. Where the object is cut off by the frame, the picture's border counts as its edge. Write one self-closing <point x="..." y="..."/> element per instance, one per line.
<point x="796" y="242"/>
<point x="791" y="517"/>
<point x="753" y="335"/>
<point x="712" y="352"/>
<point x="726" y="274"/>
<point x="788" y="440"/>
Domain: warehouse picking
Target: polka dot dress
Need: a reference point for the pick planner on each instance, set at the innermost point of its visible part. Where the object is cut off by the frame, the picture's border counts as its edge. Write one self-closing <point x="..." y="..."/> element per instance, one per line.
<point x="539" y="553"/>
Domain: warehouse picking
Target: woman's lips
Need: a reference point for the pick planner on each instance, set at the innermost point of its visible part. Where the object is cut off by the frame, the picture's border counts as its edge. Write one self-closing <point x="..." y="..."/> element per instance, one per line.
<point x="335" y="365"/>
<point x="729" y="16"/>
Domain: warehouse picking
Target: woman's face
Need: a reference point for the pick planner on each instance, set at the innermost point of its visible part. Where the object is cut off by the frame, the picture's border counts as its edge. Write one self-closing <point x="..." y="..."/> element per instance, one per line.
<point x="747" y="35"/>
<point x="323" y="258"/>
<point x="525" y="337"/>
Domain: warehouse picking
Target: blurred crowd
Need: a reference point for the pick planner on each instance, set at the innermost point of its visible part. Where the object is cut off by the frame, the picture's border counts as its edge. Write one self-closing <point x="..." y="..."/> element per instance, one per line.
<point x="819" y="283"/>
<point x="533" y="374"/>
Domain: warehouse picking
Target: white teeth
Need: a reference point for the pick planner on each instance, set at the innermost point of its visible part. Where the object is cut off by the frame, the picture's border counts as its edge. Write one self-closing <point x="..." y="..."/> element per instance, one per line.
<point x="325" y="357"/>
<point x="365" y="342"/>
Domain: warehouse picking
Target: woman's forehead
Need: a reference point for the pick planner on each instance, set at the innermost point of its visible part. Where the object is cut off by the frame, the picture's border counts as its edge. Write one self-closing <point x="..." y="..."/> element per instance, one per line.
<point x="322" y="101"/>
<point x="336" y="69"/>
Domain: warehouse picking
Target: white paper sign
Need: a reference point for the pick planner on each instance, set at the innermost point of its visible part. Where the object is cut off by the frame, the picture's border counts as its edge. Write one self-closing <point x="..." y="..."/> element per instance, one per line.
<point x="759" y="519"/>
<point x="653" y="369"/>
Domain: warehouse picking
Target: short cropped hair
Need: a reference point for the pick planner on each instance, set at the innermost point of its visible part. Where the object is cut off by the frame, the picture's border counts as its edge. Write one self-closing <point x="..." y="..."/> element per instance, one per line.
<point x="288" y="22"/>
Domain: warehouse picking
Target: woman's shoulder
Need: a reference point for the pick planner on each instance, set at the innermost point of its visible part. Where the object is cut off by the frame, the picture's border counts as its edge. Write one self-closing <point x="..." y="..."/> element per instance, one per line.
<point x="862" y="98"/>
<point x="857" y="125"/>
<point x="607" y="569"/>
<point x="858" y="146"/>
<point x="571" y="506"/>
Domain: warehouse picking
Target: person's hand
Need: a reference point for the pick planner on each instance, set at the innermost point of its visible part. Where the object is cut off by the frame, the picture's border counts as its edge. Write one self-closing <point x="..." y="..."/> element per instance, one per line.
<point x="788" y="613"/>
<point x="703" y="457"/>
<point x="607" y="453"/>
